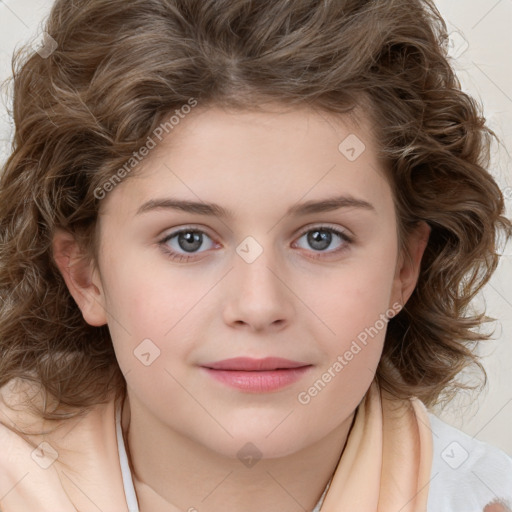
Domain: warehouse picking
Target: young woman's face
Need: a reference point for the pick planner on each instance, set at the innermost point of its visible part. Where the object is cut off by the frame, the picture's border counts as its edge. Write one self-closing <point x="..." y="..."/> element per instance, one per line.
<point x="298" y="260"/>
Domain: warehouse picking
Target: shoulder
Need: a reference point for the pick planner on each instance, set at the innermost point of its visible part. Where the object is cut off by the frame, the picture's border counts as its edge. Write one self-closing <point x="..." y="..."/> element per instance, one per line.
<point x="39" y="459"/>
<point x="28" y="476"/>
<point x="467" y="474"/>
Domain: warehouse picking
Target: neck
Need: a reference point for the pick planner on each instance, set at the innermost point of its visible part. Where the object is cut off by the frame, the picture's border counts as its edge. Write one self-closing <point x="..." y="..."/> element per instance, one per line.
<point x="173" y="472"/>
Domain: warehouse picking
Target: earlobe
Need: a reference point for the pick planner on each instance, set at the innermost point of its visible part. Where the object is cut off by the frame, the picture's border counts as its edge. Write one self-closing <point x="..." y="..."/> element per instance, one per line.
<point x="82" y="281"/>
<point x="409" y="269"/>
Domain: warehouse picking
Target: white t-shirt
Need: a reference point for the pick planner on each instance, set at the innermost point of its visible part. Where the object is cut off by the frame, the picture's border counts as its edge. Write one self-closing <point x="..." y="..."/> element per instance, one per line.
<point x="466" y="475"/>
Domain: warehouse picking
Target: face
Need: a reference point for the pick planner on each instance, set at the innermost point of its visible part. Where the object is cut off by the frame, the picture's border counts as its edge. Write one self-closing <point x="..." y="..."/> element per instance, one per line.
<point x="275" y="271"/>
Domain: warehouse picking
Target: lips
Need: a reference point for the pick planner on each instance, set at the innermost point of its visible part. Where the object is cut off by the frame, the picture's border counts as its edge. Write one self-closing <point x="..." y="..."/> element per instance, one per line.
<point x="270" y="374"/>
<point x="253" y="365"/>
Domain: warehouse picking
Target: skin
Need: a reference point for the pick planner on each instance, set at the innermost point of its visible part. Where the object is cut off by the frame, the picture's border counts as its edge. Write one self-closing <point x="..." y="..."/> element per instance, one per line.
<point x="496" y="507"/>
<point x="183" y="428"/>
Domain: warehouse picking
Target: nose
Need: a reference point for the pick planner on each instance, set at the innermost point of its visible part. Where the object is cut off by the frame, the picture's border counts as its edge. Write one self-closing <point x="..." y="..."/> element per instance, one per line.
<point x="259" y="296"/>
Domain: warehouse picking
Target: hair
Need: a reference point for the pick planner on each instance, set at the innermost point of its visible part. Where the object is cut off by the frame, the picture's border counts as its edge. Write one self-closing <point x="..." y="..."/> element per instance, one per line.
<point x="120" y="67"/>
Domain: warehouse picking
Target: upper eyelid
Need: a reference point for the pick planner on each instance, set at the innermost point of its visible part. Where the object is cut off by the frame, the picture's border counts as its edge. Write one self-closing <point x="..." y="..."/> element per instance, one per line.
<point x="327" y="227"/>
<point x="177" y="231"/>
<point x="301" y="231"/>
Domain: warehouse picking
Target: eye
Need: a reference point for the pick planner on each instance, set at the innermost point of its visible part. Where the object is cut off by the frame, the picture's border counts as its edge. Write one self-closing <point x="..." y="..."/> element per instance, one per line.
<point x="188" y="240"/>
<point x="321" y="237"/>
<point x="184" y="244"/>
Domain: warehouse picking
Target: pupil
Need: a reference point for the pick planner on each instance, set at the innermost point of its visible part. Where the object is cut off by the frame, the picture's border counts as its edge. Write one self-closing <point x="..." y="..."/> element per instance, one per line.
<point x="320" y="237"/>
<point x="192" y="240"/>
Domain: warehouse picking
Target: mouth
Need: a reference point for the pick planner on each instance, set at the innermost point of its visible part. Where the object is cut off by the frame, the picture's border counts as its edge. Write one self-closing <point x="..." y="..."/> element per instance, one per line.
<point x="257" y="375"/>
<point x="248" y="364"/>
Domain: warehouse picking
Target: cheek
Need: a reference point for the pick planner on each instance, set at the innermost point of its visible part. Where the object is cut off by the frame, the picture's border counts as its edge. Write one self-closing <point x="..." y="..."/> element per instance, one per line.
<point x="150" y="319"/>
<point x="353" y="303"/>
<point x="352" y="346"/>
<point x="353" y="296"/>
<point x="142" y="297"/>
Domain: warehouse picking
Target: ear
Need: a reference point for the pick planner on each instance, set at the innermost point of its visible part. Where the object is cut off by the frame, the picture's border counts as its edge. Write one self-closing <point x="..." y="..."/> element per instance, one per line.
<point x="409" y="263"/>
<point x="82" y="280"/>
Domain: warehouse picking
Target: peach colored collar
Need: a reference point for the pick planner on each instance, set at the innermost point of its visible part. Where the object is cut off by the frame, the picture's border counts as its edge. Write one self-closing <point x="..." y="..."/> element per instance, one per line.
<point x="387" y="461"/>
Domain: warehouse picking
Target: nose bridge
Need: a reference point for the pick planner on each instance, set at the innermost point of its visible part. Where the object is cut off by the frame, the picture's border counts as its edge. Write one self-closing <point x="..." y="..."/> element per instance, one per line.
<point x="258" y="295"/>
<point x="254" y="263"/>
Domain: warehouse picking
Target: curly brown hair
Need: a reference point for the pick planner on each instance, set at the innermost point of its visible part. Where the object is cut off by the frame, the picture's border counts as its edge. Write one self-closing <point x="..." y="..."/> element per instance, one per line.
<point x="120" y="67"/>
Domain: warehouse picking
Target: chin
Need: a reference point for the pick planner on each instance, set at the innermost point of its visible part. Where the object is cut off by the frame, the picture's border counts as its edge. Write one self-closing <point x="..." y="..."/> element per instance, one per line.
<point x="249" y="449"/>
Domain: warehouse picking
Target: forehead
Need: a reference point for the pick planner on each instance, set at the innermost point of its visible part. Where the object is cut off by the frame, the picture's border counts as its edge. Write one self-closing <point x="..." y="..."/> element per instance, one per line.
<point x="247" y="159"/>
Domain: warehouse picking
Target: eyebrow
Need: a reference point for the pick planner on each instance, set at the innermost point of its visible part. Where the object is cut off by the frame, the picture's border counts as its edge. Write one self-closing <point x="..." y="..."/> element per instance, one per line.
<point x="308" y="207"/>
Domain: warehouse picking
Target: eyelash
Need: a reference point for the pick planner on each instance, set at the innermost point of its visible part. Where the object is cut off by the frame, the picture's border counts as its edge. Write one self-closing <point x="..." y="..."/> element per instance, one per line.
<point x="173" y="255"/>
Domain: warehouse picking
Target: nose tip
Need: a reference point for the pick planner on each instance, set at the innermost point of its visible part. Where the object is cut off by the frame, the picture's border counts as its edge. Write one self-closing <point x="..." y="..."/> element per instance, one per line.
<point x="257" y="302"/>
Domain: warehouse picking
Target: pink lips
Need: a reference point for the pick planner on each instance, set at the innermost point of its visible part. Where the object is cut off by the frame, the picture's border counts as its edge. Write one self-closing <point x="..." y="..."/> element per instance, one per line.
<point x="257" y="375"/>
